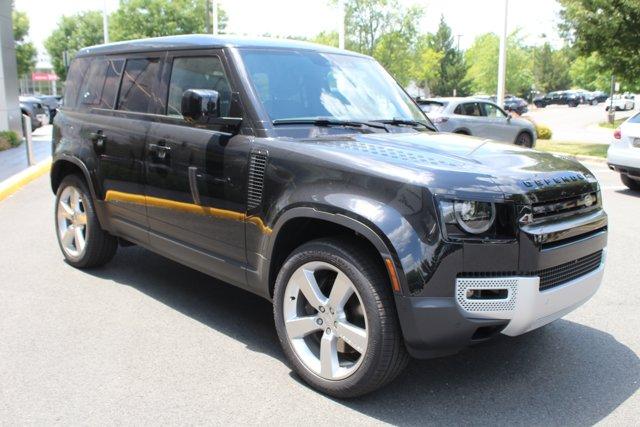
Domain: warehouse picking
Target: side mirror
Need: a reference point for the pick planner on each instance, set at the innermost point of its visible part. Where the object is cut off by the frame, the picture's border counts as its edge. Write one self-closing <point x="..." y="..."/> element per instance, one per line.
<point x="509" y="117"/>
<point x="200" y="105"/>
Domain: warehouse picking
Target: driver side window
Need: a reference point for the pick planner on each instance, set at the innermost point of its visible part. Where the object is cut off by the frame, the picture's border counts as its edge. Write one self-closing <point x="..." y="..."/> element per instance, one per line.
<point x="197" y="73"/>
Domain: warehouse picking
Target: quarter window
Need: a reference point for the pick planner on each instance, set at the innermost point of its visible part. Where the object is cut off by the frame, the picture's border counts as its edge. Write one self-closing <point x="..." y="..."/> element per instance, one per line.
<point x="138" y="83"/>
<point x="197" y="73"/>
<point x="77" y="71"/>
<point x="100" y="86"/>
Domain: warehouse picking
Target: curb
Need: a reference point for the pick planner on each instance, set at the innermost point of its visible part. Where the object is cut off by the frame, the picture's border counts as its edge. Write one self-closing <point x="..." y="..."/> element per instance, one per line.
<point x="17" y="181"/>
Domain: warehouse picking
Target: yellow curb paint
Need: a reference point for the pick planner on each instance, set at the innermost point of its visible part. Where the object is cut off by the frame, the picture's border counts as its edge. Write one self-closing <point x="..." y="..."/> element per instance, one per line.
<point x="13" y="184"/>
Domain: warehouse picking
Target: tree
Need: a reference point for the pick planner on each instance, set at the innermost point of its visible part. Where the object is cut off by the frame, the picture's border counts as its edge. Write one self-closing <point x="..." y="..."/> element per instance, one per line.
<point x="385" y="30"/>
<point x="551" y="68"/>
<point x="136" y="19"/>
<point x="73" y="33"/>
<point x="25" y="50"/>
<point x="587" y="72"/>
<point x="483" y="69"/>
<point x="453" y="68"/>
<point x="426" y="66"/>
<point x="329" y="38"/>
<point x="608" y="28"/>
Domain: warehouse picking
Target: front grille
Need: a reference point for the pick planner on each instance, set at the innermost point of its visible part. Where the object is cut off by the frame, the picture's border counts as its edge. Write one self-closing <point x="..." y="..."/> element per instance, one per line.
<point x="563" y="273"/>
<point x="566" y="205"/>
<point x="552" y="276"/>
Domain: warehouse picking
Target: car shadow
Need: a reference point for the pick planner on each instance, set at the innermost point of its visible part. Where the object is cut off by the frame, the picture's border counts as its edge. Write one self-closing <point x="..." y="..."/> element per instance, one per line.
<point x="565" y="373"/>
<point x="628" y="192"/>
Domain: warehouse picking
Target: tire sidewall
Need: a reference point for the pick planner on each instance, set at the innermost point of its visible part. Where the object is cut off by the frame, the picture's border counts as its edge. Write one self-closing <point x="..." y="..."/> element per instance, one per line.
<point x="92" y="225"/>
<point x="319" y="252"/>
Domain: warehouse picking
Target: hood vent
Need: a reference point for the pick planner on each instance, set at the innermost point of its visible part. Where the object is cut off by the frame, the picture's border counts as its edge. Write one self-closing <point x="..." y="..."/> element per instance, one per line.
<point x="257" y="166"/>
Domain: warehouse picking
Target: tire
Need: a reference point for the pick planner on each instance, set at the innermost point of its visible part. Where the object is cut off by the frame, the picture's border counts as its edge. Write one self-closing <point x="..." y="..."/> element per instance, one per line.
<point x="82" y="241"/>
<point x="631" y="183"/>
<point x="594" y="102"/>
<point x="370" y="308"/>
<point x="524" y="140"/>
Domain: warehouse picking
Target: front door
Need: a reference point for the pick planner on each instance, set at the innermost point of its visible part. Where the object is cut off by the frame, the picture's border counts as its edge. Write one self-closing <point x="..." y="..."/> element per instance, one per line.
<point x="499" y="126"/>
<point x="196" y="174"/>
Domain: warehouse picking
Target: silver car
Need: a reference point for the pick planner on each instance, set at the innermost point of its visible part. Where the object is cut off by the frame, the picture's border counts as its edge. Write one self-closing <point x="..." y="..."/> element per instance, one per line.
<point x="478" y="117"/>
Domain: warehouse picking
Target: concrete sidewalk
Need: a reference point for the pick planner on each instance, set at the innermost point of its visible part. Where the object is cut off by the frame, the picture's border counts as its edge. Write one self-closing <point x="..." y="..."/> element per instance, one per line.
<point x="14" y="160"/>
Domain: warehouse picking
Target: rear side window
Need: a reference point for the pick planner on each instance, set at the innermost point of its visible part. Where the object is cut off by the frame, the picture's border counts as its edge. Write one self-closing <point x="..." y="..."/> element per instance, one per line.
<point x="100" y="86"/>
<point x="138" y="84"/>
<point x="468" y="109"/>
<point x="197" y="73"/>
<point x="75" y="77"/>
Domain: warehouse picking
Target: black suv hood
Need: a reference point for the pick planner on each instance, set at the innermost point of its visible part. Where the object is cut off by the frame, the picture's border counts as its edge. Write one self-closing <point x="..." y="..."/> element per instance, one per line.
<point x="449" y="163"/>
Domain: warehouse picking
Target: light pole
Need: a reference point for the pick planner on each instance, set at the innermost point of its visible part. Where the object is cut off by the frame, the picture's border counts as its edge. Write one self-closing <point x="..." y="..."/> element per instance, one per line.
<point x="105" y="22"/>
<point x="502" y="58"/>
<point x="214" y="6"/>
<point x="341" y="24"/>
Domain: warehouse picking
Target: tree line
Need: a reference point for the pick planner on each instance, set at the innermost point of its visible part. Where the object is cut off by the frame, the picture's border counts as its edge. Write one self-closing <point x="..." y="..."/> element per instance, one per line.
<point x="600" y="35"/>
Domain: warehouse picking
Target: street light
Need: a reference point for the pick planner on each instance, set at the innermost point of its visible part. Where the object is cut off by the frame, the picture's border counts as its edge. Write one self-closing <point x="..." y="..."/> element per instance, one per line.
<point x="502" y="58"/>
<point x="105" y="22"/>
<point x="341" y="24"/>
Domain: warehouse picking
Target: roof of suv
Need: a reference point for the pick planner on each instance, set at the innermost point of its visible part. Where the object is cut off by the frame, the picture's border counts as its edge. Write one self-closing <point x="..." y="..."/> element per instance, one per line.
<point x="200" y="41"/>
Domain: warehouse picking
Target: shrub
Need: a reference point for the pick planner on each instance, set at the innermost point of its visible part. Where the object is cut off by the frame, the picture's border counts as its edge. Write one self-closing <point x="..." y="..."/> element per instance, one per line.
<point x="8" y="139"/>
<point x="543" y="132"/>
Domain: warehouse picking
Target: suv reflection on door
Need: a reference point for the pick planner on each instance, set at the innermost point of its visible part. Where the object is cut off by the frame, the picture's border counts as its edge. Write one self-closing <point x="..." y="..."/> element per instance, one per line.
<point x="306" y="175"/>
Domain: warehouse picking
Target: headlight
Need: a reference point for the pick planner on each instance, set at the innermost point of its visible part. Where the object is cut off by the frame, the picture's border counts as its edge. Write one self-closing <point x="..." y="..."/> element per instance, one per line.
<point x="471" y="216"/>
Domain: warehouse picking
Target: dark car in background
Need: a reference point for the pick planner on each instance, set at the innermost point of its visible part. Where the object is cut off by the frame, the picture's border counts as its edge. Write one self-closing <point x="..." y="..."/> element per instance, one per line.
<point x="51" y="104"/>
<point x="571" y="98"/>
<point x="516" y="104"/>
<point x="33" y="107"/>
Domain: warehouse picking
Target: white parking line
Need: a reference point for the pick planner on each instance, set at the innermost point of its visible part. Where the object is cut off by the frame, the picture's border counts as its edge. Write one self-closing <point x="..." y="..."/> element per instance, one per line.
<point x="613" y="187"/>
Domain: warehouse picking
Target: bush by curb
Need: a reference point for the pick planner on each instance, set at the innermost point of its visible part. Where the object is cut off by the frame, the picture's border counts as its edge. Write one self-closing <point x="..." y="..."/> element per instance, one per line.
<point x="8" y="139"/>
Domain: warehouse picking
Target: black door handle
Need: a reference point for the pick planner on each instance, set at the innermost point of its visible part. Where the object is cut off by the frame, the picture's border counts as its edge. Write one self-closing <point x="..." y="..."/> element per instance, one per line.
<point x="159" y="150"/>
<point x="99" y="138"/>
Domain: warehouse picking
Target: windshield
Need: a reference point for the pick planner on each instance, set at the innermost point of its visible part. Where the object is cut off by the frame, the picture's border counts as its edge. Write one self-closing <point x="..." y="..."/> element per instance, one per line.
<point x="308" y="84"/>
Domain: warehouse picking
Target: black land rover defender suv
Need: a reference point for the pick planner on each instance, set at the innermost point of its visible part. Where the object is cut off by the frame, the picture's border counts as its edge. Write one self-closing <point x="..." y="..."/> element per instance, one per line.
<point x="306" y="175"/>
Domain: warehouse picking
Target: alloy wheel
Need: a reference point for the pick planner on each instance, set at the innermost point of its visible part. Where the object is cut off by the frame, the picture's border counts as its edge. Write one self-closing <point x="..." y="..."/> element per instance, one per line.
<point x="325" y="320"/>
<point x="72" y="222"/>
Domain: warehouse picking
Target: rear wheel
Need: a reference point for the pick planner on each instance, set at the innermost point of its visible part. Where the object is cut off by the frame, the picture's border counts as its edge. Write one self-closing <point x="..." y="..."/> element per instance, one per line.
<point x="83" y="242"/>
<point x="524" y="140"/>
<point x="336" y="319"/>
<point x="631" y="183"/>
<point x="594" y="102"/>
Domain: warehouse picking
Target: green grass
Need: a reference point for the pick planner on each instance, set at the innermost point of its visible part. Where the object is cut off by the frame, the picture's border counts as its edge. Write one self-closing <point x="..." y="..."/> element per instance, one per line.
<point x="616" y="123"/>
<point x="573" y="148"/>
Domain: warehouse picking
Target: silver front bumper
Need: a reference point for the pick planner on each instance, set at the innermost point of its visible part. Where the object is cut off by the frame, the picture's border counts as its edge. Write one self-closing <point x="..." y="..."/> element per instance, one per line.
<point x="525" y="306"/>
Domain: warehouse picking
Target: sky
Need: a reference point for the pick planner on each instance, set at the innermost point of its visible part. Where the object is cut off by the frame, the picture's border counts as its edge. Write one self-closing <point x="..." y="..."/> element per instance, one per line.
<point x="537" y="20"/>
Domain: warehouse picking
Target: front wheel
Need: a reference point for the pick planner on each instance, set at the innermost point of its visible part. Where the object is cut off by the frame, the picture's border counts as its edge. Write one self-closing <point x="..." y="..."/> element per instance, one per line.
<point x="336" y="319"/>
<point x="83" y="242"/>
<point x="524" y="140"/>
<point x="631" y="183"/>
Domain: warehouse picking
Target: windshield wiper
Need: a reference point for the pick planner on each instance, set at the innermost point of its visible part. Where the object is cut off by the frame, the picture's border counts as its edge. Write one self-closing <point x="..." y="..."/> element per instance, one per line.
<point x="405" y="122"/>
<point x="326" y="121"/>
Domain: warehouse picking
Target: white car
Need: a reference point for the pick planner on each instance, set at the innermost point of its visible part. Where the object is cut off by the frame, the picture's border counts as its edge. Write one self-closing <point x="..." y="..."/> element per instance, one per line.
<point x="624" y="152"/>
<point x="621" y="103"/>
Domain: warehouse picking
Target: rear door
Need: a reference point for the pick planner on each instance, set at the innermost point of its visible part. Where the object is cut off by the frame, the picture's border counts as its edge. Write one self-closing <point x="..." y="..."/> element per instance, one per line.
<point x="196" y="174"/>
<point x="469" y="118"/>
<point x="118" y="93"/>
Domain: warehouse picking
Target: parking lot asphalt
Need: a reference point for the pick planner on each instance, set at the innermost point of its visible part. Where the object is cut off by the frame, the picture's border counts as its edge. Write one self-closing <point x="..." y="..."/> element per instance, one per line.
<point x="14" y="159"/>
<point x="145" y="340"/>
<point x="579" y="124"/>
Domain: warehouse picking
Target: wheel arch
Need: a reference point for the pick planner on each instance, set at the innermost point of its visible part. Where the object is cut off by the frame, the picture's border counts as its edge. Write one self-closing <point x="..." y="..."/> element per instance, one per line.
<point x="286" y="236"/>
<point x="65" y="165"/>
<point x="462" y="131"/>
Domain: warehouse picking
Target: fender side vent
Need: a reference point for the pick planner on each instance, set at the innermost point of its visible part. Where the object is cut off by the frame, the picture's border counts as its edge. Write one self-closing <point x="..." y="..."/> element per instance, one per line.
<point x="257" y="166"/>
